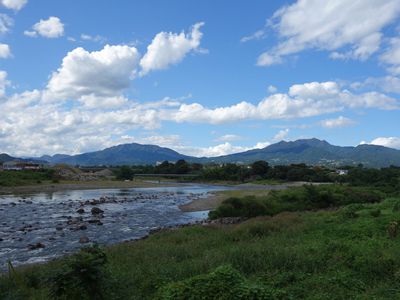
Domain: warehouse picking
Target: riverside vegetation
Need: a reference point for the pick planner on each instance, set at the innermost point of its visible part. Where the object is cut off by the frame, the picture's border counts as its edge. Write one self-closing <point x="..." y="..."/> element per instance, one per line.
<point x="313" y="242"/>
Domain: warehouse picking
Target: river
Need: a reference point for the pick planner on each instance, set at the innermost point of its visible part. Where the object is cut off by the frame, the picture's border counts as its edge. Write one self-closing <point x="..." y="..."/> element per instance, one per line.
<point x="42" y="226"/>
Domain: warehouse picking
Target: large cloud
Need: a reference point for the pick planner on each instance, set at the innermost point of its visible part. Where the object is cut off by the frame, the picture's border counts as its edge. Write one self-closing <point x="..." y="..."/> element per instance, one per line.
<point x="104" y="73"/>
<point x="35" y="126"/>
<point x="303" y="100"/>
<point x="169" y="48"/>
<point x="353" y="28"/>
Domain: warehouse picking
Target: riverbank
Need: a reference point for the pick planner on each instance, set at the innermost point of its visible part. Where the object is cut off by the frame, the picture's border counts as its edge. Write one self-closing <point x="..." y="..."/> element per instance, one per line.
<point x="216" y="198"/>
<point x="241" y="190"/>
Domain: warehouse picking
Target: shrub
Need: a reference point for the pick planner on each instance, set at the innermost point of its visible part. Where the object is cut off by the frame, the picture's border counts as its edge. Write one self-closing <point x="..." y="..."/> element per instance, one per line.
<point x="375" y="213"/>
<point x="225" y="283"/>
<point x="393" y="229"/>
<point x="350" y="211"/>
<point x="241" y="207"/>
<point x="82" y="276"/>
<point x="396" y="206"/>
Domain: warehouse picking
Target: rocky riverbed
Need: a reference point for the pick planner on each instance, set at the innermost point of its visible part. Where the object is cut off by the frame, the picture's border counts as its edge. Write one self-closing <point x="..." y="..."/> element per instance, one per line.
<point x="42" y="226"/>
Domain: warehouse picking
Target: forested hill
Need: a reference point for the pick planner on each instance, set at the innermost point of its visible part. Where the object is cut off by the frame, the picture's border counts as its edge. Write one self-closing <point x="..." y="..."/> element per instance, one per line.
<point x="308" y="151"/>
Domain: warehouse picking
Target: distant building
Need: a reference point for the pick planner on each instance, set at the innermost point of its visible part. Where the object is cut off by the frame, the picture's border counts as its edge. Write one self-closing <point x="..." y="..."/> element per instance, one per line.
<point x="21" y="165"/>
<point x="342" y="172"/>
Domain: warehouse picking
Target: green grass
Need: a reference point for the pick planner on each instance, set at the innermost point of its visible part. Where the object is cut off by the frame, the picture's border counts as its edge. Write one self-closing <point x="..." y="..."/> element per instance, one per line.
<point x="307" y="197"/>
<point x="346" y="253"/>
<point x="25" y="177"/>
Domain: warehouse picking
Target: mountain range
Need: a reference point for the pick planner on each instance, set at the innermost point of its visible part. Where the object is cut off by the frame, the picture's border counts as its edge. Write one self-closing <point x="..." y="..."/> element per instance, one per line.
<point x="309" y="151"/>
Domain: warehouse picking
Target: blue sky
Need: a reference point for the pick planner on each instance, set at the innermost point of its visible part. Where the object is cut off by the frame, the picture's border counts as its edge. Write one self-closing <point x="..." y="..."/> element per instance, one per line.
<point x="206" y="78"/>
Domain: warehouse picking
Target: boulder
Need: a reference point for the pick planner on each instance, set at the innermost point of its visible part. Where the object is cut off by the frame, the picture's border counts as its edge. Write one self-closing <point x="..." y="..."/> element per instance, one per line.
<point x="96" y="211"/>
<point x="35" y="246"/>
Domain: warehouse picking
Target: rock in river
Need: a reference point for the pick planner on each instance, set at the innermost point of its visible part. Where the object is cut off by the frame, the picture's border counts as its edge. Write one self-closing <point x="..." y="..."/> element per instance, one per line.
<point x="96" y="211"/>
<point x="35" y="246"/>
<point x="83" y="240"/>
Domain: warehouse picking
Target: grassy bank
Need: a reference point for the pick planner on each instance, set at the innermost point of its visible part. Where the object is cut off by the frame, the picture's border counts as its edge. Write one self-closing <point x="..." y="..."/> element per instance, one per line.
<point x="328" y="254"/>
<point x="26" y="177"/>
<point x="307" y="197"/>
<point x="215" y="199"/>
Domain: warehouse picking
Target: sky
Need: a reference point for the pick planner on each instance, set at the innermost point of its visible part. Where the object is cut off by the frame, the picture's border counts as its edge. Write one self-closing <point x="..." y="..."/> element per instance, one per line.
<point x="205" y="78"/>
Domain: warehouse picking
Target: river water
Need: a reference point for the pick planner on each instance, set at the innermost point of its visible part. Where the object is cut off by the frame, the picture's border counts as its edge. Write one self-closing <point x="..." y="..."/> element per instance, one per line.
<point x="42" y="226"/>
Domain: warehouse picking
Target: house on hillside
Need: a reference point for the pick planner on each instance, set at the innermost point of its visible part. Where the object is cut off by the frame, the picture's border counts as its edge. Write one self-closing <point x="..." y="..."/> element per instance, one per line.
<point x="21" y="165"/>
<point x="342" y="172"/>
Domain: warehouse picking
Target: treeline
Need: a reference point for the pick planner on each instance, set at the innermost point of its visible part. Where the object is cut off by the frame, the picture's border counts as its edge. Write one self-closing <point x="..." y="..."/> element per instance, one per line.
<point x="261" y="170"/>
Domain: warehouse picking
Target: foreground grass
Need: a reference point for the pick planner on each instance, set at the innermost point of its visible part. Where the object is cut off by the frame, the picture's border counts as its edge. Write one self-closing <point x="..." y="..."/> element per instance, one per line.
<point x="348" y="253"/>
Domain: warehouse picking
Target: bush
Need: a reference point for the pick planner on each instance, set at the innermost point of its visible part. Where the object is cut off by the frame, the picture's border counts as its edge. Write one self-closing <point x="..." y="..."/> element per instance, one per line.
<point x="350" y="211"/>
<point x="225" y="283"/>
<point x="375" y="213"/>
<point x="241" y="207"/>
<point x="393" y="229"/>
<point x="396" y="206"/>
<point x="82" y="276"/>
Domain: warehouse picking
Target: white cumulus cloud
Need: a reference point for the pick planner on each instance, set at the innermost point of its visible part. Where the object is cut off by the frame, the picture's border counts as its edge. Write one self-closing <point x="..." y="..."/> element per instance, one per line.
<point x="348" y="30"/>
<point x="50" y="28"/>
<point x="104" y="73"/>
<point x="169" y="48"/>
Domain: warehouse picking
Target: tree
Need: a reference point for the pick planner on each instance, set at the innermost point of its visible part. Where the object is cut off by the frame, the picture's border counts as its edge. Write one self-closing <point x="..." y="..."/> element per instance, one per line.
<point x="260" y="168"/>
<point x="125" y="173"/>
<point x="181" y="167"/>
